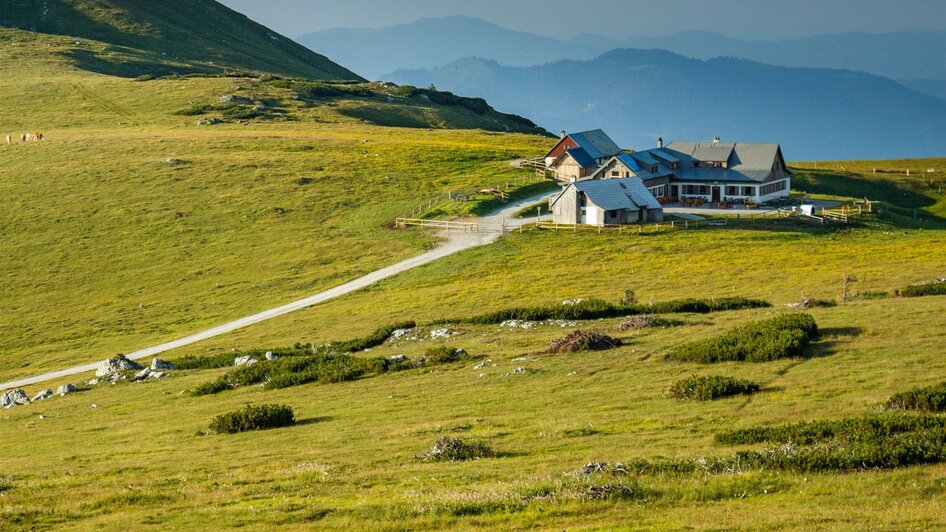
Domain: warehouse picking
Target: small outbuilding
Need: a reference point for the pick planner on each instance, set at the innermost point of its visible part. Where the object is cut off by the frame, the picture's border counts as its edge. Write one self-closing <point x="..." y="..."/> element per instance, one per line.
<point x="606" y="202"/>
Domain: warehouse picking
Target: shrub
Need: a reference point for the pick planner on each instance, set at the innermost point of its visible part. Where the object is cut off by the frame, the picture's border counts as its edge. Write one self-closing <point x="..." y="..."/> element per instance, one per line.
<point x="223" y="360"/>
<point x="593" y="309"/>
<point x="253" y="418"/>
<point x="456" y="450"/>
<point x="644" y="321"/>
<point x="929" y="398"/>
<point x="784" y="336"/>
<point x="376" y="338"/>
<point x="933" y="288"/>
<point x="868" y="295"/>
<point x="443" y="355"/>
<point x="708" y="388"/>
<point x="583" y="341"/>
<point x="629" y="298"/>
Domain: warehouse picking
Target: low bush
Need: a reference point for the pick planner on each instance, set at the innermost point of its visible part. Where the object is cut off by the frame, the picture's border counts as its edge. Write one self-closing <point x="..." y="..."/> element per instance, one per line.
<point x="645" y="321"/>
<point x="583" y="341"/>
<point x="443" y="355"/>
<point x="928" y="398"/>
<point x="376" y="338"/>
<point x="258" y="417"/>
<point x="223" y="360"/>
<point x="708" y="388"/>
<point x="447" y="449"/>
<point x="868" y="295"/>
<point x="933" y="288"/>
<point x="784" y="336"/>
<point x="593" y="309"/>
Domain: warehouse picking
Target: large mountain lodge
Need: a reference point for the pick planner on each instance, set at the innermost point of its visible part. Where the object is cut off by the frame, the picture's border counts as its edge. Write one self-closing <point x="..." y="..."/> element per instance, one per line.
<point x="721" y="174"/>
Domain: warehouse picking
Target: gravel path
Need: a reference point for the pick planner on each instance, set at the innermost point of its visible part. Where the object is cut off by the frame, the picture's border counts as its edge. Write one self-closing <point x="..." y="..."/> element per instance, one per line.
<point x="454" y="242"/>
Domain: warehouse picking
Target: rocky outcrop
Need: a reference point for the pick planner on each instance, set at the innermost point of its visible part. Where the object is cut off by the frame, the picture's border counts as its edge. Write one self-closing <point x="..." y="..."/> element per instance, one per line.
<point x="65" y="389"/>
<point x="244" y="361"/>
<point x="116" y="365"/>
<point x="45" y="394"/>
<point x="12" y="398"/>
<point x="160" y="365"/>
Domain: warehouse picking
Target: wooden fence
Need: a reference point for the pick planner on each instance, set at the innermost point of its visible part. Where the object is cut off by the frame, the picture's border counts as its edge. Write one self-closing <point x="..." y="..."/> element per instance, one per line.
<point x="467" y="227"/>
<point x="500" y="190"/>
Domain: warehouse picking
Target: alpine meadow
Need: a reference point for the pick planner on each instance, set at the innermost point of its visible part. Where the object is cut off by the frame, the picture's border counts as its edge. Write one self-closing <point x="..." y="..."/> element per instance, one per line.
<point x="241" y="286"/>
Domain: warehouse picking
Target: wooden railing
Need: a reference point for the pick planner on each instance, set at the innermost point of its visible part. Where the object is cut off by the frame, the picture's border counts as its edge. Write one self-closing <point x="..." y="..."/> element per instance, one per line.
<point x="467" y="227"/>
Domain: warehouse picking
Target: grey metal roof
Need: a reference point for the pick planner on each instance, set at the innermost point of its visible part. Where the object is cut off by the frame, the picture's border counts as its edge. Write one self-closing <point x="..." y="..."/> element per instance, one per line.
<point x="645" y="158"/>
<point x="746" y="162"/>
<point x="597" y="143"/>
<point x="616" y="194"/>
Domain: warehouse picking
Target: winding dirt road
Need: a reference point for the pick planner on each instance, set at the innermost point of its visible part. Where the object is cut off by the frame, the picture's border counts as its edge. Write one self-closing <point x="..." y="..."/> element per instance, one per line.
<point x="492" y="227"/>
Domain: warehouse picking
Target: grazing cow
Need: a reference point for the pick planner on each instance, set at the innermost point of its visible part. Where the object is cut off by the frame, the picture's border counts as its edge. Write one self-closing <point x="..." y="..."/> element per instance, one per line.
<point x="23" y="137"/>
<point x="33" y="137"/>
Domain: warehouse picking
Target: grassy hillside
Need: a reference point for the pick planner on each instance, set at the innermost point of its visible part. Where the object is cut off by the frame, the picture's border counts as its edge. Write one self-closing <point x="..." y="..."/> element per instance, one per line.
<point x="133" y="224"/>
<point x="171" y="36"/>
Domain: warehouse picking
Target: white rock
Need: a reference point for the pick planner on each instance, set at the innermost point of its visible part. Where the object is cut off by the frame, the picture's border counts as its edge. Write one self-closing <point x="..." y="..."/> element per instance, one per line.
<point x="244" y="361"/>
<point x="13" y="398"/>
<point x="397" y="334"/>
<point x="93" y="382"/>
<point x="65" y="389"/>
<point x="116" y="365"/>
<point x="440" y="334"/>
<point x="94" y="406"/>
<point x="156" y="374"/>
<point x="143" y="374"/>
<point x="158" y="364"/>
<point x="45" y="394"/>
<point x="572" y="301"/>
<point x="270" y="356"/>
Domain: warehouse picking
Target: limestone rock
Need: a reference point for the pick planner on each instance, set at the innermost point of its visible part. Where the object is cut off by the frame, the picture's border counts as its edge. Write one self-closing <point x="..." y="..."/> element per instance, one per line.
<point x="244" y="361"/>
<point x="158" y="364"/>
<point x="13" y="398"/>
<point x="45" y="394"/>
<point x="116" y="365"/>
<point x="270" y="356"/>
<point x="65" y="389"/>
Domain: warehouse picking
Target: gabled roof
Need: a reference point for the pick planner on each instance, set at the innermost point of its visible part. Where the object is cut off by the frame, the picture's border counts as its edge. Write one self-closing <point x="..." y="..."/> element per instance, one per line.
<point x="664" y="155"/>
<point x="747" y="162"/>
<point x="582" y="157"/>
<point x="645" y="158"/>
<point x="597" y="143"/>
<point x="616" y="194"/>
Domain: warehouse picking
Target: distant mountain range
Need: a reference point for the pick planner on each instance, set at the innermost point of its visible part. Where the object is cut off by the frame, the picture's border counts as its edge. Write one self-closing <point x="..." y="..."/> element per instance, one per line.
<point x="639" y="95"/>
<point x="433" y="42"/>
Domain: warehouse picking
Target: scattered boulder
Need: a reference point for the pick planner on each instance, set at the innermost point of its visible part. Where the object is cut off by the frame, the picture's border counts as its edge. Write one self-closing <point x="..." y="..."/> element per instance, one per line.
<point x="65" y="389"/>
<point x="583" y="341"/>
<point x="158" y="364"/>
<point x="569" y="302"/>
<point x="142" y="375"/>
<point x="244" y="361"/>
<point x="518" y="324"/>
<point x="635" y="323"/>
<point x="156" y="375"/>
<point x="270" y="356"/>
<point x="440" y="334"/>
<point x="239" y="100"/>
<point x="808" y="303"/>
<point x="116" y="365"/>
<point x="396" y="359"/>
<point x="92" y="382"/>
<point x="397" y="334"/>
<point x="562" y="323"/>
<point x="13" y="398"/>
<point x="45" y="394"/>
<point x="212" y="121"/>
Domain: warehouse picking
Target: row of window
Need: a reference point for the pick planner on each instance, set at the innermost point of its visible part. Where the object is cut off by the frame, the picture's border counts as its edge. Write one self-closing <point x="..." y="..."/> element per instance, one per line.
<point x="772" y="188"/>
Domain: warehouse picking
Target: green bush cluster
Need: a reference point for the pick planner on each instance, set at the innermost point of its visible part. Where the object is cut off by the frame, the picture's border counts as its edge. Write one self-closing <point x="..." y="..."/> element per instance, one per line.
<point x="593" y="309"/>
<point x="872" y="427"/>
<point x="322" y="367"/>
<point x="708" y="388"/>
<point x="447" y="449"/>
<point x="477" y="105"/>
<point x="376" y="338"/>
<point x="936" y="288"/>
<point x="929" y="398"/>
<point x="784" y="336"/>
<point x="223" y="360"/>
<point x="253" y="417"/>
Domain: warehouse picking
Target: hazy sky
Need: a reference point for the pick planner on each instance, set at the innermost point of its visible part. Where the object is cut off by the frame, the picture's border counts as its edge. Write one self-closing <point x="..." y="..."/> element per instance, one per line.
<point x="756" y="19"/>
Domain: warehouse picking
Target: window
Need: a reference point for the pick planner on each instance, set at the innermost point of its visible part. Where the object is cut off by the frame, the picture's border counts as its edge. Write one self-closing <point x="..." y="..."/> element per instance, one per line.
<point x="772" y="188"/>
<point x="692" y="190"/>
<point x="748" y="191"/>
<point x="732" y="191"/>
<point x="658" y="192"/>
<point x="615" y="173"/>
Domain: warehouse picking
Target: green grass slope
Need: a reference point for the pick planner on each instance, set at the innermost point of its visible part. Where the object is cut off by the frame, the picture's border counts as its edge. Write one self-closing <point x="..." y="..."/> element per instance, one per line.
<point x="170" y="36"/>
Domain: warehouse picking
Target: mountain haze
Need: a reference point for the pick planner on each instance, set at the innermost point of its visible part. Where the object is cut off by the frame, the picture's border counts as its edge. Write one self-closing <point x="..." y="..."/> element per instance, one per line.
<point x="169" y="36"/>
<point x="433" y="42"/>
<point x="639" y="95"/>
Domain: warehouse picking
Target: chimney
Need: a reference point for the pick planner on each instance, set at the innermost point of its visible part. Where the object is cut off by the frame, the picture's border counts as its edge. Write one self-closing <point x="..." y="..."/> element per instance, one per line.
<point x="715" y="140"/>
<point x="660" y="142"/>
<point x="562" y="134"/>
